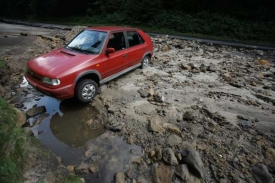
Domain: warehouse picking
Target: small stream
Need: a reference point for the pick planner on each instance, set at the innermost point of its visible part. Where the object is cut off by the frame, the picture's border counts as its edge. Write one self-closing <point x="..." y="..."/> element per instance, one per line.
<point x="67" y="129"/>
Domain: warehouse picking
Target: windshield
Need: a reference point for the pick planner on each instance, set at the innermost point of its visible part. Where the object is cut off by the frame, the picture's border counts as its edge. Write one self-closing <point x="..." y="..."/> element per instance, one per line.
<point x="88" y="42"/>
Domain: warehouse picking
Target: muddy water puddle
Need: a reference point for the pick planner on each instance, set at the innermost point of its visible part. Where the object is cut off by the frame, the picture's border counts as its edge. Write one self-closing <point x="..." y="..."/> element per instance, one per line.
<point x="67" y="128"/>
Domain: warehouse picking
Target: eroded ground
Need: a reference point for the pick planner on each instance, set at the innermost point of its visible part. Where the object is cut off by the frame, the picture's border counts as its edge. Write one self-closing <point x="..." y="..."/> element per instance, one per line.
<point x="200" y="113"/>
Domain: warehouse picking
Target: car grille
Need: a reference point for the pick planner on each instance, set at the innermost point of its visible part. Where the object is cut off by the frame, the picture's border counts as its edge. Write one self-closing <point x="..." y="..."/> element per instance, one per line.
<point x="33" y="74"/>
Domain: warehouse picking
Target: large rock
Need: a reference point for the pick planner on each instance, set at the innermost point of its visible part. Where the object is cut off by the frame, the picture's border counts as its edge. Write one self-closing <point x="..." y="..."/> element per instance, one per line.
<point x="172" y="128"/>
<point x="165" y="48"/>
<point x="189" y="115"/>
<point x="263" y="63"/>
<point x="35" y="111"/>
<point x="197" y="129"/>
<point x="270" y="154"/>
<point x="120" y="177"/>
<point x="173" y="140"/>
<point x="155" y="124"/>
<point x="162" y="173"/>
<point x="169" y="157"/>
<point x="192" y="159"/>
<point x="261" y="174"/>
<point x="182" y="172"/>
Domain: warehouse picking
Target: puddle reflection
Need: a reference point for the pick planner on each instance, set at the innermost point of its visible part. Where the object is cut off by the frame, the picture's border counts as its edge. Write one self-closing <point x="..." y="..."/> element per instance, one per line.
<point x="76" y="126"/>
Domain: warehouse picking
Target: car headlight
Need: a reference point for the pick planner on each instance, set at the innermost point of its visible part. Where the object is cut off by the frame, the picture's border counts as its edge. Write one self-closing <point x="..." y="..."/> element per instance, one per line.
<point x="50" y="81"/>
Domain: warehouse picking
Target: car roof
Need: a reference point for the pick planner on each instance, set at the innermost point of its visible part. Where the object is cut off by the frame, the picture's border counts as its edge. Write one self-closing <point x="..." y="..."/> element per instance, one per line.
<point x="110" y="28"/>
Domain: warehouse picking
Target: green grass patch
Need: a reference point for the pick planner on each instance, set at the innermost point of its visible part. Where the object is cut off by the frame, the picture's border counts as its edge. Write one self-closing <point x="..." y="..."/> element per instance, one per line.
<point x="2" y="63"/>
<point x="12" y="140"/>
<point x="71" y="179"/>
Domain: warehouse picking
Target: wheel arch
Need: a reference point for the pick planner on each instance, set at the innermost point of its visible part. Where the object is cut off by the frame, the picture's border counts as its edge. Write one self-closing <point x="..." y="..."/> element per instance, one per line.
<point x="147" y="54"/>
<point x="90" y="74"/>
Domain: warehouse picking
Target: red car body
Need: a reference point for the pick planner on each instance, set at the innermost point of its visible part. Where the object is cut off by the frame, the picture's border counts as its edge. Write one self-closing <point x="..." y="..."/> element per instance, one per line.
<point x="58" y="72"/>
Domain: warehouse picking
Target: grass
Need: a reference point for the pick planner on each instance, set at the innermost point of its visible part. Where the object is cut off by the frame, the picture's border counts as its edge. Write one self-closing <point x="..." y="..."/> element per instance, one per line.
<point x="12" y="140"/>
<point x="71" y="179"/>
<point x="2" y="63"/>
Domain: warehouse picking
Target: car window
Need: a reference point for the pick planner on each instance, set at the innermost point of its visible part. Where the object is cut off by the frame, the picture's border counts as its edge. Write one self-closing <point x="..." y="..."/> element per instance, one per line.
<point x="134" y="38"/>
<point x="88" y="41"/>
<point x="116" y="41"/>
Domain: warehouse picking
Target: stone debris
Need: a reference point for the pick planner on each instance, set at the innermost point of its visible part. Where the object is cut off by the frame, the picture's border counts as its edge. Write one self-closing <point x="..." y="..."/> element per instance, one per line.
<point x="35" y="111"/>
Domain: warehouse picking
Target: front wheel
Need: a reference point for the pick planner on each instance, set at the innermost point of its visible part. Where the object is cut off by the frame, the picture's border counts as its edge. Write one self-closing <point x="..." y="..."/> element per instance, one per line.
<point x="86" y="90"/>
<point x="145" y="62"/>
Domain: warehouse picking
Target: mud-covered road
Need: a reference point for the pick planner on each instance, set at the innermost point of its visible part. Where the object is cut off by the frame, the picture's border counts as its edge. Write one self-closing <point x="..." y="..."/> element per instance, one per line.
<point x="199" y="113"/>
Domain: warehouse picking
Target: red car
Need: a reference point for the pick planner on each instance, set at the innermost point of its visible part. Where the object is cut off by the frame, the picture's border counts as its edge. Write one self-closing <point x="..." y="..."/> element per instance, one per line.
<point x="95" y="56"/>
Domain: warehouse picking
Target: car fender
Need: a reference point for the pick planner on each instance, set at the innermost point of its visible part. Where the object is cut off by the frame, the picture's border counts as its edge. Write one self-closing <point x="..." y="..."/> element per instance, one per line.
<point x="147" y="53"/>
<point x="86" y="73"/>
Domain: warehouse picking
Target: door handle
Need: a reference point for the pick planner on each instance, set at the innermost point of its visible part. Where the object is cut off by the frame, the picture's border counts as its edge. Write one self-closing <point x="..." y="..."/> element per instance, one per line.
<point x="124" y="55"/>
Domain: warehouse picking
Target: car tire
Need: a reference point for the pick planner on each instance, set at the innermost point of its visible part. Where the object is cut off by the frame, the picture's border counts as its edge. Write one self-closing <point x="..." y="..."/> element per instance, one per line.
<point x="86" y="90"/>
<point x="145" y="62"/>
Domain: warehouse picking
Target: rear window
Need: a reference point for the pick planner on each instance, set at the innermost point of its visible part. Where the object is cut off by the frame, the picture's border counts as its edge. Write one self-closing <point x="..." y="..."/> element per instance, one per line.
<point x="134" y="38"/>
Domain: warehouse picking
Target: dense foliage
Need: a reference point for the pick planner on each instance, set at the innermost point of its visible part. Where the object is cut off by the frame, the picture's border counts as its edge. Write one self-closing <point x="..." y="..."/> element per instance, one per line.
<point x="245" y="20"/>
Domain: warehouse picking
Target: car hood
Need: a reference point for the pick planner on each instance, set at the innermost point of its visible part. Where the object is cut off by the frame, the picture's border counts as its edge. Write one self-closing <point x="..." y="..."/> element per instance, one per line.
<point x="57" y="61"/>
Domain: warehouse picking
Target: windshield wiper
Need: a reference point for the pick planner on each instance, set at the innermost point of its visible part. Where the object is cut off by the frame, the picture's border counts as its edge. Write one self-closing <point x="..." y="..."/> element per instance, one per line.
<point x="77" y="49"/>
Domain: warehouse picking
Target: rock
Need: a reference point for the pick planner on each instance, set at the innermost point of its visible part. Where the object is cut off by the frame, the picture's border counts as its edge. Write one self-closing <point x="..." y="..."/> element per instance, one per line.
<point x="155" y="124"/>
<point x="263" y="63"/>
<point x="28" y="131"/>
<point x="261" y="174"/>
<point x="23" y="34"/>
<point x="35" y="111"/>
<point x="196" y="71"/>
<point x="21" y="118"/>
<point x="245" y="125"/>
<point x="158" y="153"/>
<point x="114" y="128"/>
<point x="212" y="68"/>
<point x="93" y="168"/>
<point x="172" y="128"/>
<point x="270" y="154"/>
<point x="158" y="98"/>
<point x="165" y="48"/>
<point x="120" y="177"/>
<point x="182" y="172"/>
<point x="151" y="92"/>
<point x="169" y="157"/>
<point x="259" y="52"/>
<point x="173" y="140"/>
<point x="82" y="168"/>
<point x="227" y="77"/>
<point x="162" y="173"/>
<point x="197" y="129"/>
<point x="82" y="180"/>
<point x="253" y="83"/>
<point x="203" y="68"/>
<point x="186" y="67"/>
<point x="189" y="115"/>
<point x="70" y="168"/>
<point x="193" y="159"/>
<point x="260" y="75"/>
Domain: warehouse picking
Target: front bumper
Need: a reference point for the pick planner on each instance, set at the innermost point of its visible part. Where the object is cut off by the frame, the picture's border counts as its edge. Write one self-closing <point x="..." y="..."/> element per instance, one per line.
<point x="59" y="93"/>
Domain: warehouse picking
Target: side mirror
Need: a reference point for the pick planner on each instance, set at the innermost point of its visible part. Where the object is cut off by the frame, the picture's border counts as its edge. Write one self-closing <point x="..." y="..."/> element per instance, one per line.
<point x="110" y="50"/>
